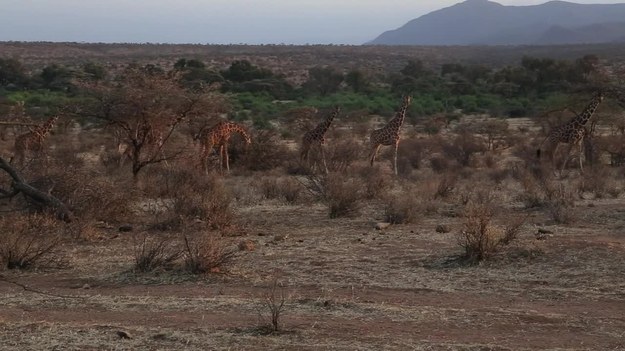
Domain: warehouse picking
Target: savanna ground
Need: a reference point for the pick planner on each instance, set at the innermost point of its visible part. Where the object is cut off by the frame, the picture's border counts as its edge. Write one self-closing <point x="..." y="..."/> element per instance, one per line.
<point x="558" y="284"/>
<point x="474" y="245"/>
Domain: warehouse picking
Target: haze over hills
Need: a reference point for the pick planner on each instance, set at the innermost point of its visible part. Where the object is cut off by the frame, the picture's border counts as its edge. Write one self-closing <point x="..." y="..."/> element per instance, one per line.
<point x="483" y="22"/>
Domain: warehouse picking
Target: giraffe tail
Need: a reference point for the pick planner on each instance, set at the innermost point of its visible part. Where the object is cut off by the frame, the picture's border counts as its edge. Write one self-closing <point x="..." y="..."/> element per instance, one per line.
<point x="538" y="153"/>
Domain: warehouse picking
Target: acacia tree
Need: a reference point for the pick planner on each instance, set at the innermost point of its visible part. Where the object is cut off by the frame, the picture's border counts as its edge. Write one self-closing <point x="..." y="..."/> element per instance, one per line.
<point x="144" y="108"/>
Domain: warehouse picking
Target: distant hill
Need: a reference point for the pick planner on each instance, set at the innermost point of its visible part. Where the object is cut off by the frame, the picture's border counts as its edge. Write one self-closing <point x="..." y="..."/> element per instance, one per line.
<point x="483" y="22"/>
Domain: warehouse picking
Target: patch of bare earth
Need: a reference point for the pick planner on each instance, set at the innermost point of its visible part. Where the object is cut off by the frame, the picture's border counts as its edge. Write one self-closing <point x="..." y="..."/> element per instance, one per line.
<point x="348" y="287"/>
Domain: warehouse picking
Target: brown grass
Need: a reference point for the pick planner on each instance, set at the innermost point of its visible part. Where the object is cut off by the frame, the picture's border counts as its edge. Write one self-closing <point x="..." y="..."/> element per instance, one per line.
<point x="31" y="241"/>
<point x="206" y="252"/>
<point x="153" y="252"/>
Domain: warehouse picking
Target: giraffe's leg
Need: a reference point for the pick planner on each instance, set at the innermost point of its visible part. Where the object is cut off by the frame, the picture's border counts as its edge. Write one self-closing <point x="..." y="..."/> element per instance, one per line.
<point x="221" y="158"/>
<point x="204" y="161"/>
<point x="581" y="153"/>
<point x="374" y="152"/>
<point x="566" y="159"/>
<point x="304" y="153"/>
<point x="227" y="158"/>
<point x="395" y="157"/>
<point x="323" y="158"/>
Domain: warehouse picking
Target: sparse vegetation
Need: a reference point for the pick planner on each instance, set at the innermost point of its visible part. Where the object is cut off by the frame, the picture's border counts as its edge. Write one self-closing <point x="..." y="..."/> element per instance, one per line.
<point x="206" y="252"/>
<point x="354" y="243"/>
<point x="152" y="252"/>
<point x="31" y="241"/>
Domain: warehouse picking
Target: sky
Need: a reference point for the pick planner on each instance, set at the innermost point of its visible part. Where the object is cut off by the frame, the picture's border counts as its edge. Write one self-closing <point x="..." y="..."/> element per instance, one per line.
<point x="215" y="21"/>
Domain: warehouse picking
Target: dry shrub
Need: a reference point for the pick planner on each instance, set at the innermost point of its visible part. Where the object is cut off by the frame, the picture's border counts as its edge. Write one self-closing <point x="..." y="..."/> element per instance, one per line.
<point x="342" y="195"/>
<point x="600" y="182"/>
<point x="441" y="164"/>
<point x="90" y="195"/>
<point x="404" y="208"/>
<point x="206" y="253"/>
<point x="498" y="175"/>
<point x="462" y="148"/>
<point x="193" y="196"/>
<point x="533" y="184"/>
<point x="410" y="155"/>
<point x="342" y="153"/>
<point x="267" y="151"/>
<point x="29" y="241"/>
<point x="376" y="181"/>
<point x="206" y="199"/>
<point x="445" y="185"/>
<point x="561" y="202"/>
<point x="274" y="303"/>
<point x="152" y="252"/>
<point x="283" y="188"/>
<point x="480" y="239"/>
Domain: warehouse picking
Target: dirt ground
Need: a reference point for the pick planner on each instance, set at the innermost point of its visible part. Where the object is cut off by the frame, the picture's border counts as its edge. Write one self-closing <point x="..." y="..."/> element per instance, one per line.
<point x="347" y="285"/>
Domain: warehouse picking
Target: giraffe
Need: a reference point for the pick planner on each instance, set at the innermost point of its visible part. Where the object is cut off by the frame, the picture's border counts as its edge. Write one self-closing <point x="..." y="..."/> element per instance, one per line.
<point x="389" y="134"/>
<point x="572" y="132"/>
<point x="218" y="136"/>
<point x="316" y="136"/>
<point x="33" y="140"/>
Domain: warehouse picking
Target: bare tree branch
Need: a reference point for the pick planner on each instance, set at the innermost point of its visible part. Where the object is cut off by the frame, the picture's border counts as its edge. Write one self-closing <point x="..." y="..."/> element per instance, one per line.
<point x="19" y="185"/>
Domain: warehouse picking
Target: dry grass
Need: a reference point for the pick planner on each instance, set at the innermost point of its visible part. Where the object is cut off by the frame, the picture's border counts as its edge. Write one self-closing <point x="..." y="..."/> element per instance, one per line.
<point x="153" y="252"/>
<point x="343" y="196"/>
<point x="287" y="189"/>
<point x="206" y="252"/>
<point x="31" y="241"/>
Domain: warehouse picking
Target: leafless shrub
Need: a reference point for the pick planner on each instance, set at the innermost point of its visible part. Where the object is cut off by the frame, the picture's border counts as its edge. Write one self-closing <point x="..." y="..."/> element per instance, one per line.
<point x="511" y="231"/>
<point x="480" y="239"/>
<point x="90" y="195"/>
<point x="498" y="175"/>
<point x="152" y="252"/>
<point x="410" y="155"/>
<point x="342" y="153"/>
<point x="561" y="202"/>
<point x="376" y="182"/>
<point x="440" y="164"/>
<point x="206" y="253"/>
<point x="192" y="196"/>
<point x="267" y="151"/>
<point x="404" y="208"/>
<point x="274" y="301"/>
<point x="600" y="182"/>
<point x="533" y="194"/>
<point x="31" y="241"/>
<point x="446" y="185"/>
<point x="342" y="196"/>
<point x="462" y="148"/>
<point x="284" y="188"/>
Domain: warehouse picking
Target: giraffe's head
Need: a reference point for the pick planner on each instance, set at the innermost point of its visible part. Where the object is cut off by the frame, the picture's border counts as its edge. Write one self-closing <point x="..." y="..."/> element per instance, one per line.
<point x="407" y="100"/>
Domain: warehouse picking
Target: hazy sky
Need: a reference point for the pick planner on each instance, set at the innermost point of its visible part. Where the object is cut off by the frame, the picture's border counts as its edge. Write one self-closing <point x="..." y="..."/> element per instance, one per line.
<point x="214" y="21"/>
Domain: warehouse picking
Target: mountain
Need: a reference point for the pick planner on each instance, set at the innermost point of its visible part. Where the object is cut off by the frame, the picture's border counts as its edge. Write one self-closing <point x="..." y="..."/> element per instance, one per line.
<point x="483" y="22"/>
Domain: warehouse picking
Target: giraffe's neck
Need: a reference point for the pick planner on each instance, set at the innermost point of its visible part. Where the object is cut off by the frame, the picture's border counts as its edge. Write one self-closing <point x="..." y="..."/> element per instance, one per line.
<point x="583" y="118"/>
<point x="238" y="129"/>
<point x="399" y="118"/>
<point x="325" y="125"/>
<point x="43" y="130"/>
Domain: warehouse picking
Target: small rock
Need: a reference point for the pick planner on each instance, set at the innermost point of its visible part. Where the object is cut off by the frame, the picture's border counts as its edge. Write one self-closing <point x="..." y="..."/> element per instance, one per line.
<point x="247" y="245"/>
<point x="123" y="335"/>
<point x="544" y="231"/>
<point x="86" y="286"/>
<point x="543" y="236"/>
<point x="442" y="228"/>
<point x="382" y="225"/>
<point x="280" y="237"/>
<point x="125" y="228"/>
